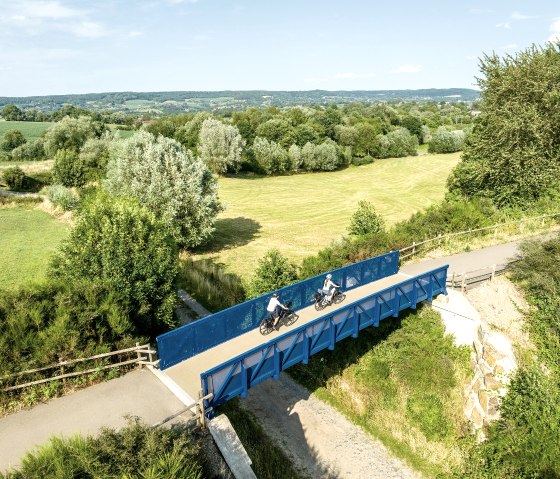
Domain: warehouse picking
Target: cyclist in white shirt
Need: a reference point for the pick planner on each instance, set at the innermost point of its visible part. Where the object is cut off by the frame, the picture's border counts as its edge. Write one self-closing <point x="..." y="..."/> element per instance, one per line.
<point x="274" y="307"/>
<point x="329" y="287"/>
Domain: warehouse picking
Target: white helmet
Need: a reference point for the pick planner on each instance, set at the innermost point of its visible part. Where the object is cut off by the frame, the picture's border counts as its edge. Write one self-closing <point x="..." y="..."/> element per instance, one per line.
<point x="329" y="276"/>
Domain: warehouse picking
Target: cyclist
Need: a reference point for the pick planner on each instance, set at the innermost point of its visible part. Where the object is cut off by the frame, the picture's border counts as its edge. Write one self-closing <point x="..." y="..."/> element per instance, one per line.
<point x="274" y="307"/>
<point x="329" y="287"/>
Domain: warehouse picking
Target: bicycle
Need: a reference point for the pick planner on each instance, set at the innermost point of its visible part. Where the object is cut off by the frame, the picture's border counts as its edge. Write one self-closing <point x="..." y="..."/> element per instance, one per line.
<point x="287" y="318"/>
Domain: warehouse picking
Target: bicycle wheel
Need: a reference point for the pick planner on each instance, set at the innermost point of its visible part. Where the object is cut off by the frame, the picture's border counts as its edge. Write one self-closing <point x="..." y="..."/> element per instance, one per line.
<point x="291" y="319"/>
<point x="266" y="327"/>
<point x="319" y="305"/>
<point x="339" y="298"/>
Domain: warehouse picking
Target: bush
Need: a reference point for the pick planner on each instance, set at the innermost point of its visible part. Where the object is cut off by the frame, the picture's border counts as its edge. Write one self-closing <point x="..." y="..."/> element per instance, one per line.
<point x="69" y="169"/>
<point x="63" y="197"/>
<point x="118" y="243"/>
<point x="14" y="178"/>
<point x="70" y="134"/>
<point x="366" y="220"/>
<point x="274" y="271"/>
<point x="397" y="143"/>
<point x="135" y="452"/>
<point x="220" y="146"/>
<point x="366" y="160"/>
<point x="444" y="141"/>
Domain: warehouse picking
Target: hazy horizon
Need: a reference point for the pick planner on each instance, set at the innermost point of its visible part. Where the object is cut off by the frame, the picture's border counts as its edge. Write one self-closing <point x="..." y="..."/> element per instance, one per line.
<point x="58" y="47"/>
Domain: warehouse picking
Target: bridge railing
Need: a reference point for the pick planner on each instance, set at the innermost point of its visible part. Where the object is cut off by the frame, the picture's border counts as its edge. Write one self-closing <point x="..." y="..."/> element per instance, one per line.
<point x="236" y="376"/>
<point x="194" y="338"/>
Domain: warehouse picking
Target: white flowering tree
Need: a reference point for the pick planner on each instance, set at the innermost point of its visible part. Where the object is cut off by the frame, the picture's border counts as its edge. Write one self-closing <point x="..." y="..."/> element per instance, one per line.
<point x="169" y="181"/>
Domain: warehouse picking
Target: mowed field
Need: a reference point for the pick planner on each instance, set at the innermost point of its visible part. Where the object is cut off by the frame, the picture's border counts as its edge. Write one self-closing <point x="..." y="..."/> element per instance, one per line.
<point x="31" y="130"/>
<point x="28" y="238"/>
<point x="301" y="214"/>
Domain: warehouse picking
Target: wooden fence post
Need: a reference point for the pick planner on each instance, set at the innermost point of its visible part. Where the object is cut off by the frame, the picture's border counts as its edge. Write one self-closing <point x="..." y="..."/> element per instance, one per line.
<point x="414" y="247"/>
<point x="138" y="355"/>
<point x="453" y="280"/>
<point x="493" y="272"/>
<point x="463" y="283"/>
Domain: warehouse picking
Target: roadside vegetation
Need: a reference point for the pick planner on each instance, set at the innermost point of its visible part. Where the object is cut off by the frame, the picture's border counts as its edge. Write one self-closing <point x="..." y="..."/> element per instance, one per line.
<point x="133" y="452"/>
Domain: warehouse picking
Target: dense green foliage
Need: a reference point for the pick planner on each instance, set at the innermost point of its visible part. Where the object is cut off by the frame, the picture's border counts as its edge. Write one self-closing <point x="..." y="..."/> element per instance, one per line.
<point x="12" y="139"/>
<point x="14" y="177"/>
<point x="220" y="146"/>
<point x="274" y="271"/>
<point x="366" y="220"/>
<point x="30" y="151"/>
<point x="71" y="134"/>
<point x="167" y="180"/>
<point x="68" y="168"/>
<point x="513" y="154"/>
<point x="121" y="245"/>
<point x="443" y="141"/>
<point x="134" y="452"/>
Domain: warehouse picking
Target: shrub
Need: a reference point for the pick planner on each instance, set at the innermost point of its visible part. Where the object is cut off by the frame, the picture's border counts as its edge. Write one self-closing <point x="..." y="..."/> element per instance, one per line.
<point x="134" y="452"/>
<point x="365" y="220"/>
<point x="63" y="197"/>
<point x="68" y="168"/>
<point x="168" y="181"/>
<point x="70" y="134"/>
<point x="94" y="156"/>
<point x="397" y="143"/>
<point x="14" y="177"/>
<point x="366" y="160"/>
<point x="122" y="245"/>
<point x="274" y="271"/>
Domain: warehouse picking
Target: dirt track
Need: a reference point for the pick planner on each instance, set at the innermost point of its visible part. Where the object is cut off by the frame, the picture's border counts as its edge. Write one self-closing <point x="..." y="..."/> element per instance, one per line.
<point x="319" y="440"/>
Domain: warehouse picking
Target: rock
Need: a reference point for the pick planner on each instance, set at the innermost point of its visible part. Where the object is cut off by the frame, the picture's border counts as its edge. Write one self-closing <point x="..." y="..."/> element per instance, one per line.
<point x="491" y="357"/>
<point x="478" y="348"/>
<point x="485" y="368"/>
<point x="483" y="400"/>
<point x="477" y="416"/>
<point x="492" y="383"/>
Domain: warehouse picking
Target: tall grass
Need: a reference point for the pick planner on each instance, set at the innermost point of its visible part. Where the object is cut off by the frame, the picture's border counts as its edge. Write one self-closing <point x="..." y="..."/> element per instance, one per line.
<point x="210" y="284"/>
<point x="402" y="382"/>
<point x="134" y="452"/>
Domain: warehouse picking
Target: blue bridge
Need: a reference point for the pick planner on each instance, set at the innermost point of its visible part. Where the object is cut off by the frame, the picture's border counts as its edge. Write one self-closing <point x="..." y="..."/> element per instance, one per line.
<point x="225" y="355"/>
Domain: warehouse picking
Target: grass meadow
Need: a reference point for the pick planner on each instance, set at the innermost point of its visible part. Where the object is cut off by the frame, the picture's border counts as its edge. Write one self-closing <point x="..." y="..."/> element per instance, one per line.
<point x="30" y="129"/>
<point x="28" y="238"/>
<point x="301" y="214"/>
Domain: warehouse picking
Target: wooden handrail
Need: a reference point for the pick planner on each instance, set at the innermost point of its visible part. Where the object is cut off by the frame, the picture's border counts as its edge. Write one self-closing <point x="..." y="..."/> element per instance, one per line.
<point x="143" y="348"/>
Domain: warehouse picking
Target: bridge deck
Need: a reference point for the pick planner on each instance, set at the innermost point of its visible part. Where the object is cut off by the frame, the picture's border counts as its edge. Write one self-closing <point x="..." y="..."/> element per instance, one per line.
<point x="187" y="373"/>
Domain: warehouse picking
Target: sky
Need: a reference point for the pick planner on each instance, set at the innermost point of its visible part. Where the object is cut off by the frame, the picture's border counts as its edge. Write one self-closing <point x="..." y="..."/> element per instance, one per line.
<point x="52" y="47"/>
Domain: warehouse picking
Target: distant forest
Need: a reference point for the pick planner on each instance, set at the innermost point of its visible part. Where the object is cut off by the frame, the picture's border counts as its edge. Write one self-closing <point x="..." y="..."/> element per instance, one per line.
<point x="158" y="103"/>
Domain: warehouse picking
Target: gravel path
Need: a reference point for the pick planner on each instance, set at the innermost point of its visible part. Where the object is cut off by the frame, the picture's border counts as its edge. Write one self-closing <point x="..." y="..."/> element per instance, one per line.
<point x="320" y="441"/>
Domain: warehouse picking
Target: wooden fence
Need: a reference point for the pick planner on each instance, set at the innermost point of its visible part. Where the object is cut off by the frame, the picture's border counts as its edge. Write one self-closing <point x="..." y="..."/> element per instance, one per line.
<point x="431" y="243"/>
<point x="144" y="355"/>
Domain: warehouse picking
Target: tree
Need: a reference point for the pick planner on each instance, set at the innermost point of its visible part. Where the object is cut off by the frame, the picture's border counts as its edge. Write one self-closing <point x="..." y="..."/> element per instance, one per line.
<point x="277" y="130"/>
<point x="274" y="271"/>
<point x="346" y="135"/>
<point x="444" y="141"/>
<point x="10" y="112"/>
<point x="323" y="157"/>
<point x="14" y="177"/>
<point x="69" y="169"/>
<point x="367" y="141"/>
<point x="31" y="151"/>
<point x="188" y="134"/>
<point x="220" y="146"/>
<point x="414" y="125"/>
<point x="118" y="243"/>
<point x="169" y="181"/>
<point x="400" y="143"/>
<point x="365" y="220"/>
<point x="71" y="134"/>
<point x="270" y="156"/>
<point x="12" y="139"/>
<point x="513" y="153"/>
<point x="94" y="156"/>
